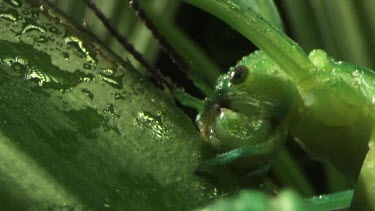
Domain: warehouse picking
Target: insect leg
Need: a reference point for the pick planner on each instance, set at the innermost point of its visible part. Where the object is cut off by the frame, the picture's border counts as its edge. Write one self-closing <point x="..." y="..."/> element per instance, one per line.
<point x="247" y="151"/>
<point x="364" y="194"/>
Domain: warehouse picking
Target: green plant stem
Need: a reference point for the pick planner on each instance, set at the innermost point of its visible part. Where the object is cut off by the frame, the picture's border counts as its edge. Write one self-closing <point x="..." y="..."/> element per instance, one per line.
<point x="285" y="52"/>
<point x="343" y="36"/>
<point x="288" y="171"/>
<point x="335" y="201"/>
<point x="335" y="180"/>
<point x="303" y="24"/>
<point x="267" y="9"/>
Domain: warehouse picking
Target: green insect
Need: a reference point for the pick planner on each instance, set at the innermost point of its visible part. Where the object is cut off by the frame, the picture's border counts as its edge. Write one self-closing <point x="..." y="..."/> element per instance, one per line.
<point x="328" y="106"/>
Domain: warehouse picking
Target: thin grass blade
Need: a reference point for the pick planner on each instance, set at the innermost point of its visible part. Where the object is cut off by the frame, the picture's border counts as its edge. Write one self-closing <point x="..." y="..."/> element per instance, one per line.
<point x="285" y="52"/>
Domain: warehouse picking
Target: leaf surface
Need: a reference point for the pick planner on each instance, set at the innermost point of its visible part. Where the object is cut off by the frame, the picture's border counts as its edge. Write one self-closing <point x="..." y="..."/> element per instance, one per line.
<point x="80" y="129"/>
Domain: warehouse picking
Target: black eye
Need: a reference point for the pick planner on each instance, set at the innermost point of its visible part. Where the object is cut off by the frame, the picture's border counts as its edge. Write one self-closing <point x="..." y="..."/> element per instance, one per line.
<point x="239" y="74"/>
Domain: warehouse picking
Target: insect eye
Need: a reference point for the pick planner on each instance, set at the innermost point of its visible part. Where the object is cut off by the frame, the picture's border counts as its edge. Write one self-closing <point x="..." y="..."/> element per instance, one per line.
<point x="239" y="74"/>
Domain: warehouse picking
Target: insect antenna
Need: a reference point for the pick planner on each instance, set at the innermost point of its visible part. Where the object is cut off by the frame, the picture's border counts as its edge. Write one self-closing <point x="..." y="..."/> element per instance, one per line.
<point x="166" y="46"/>
<point x="184" y="98"/>
<point x="128" y="46"/>
<point x="200" y="81"/>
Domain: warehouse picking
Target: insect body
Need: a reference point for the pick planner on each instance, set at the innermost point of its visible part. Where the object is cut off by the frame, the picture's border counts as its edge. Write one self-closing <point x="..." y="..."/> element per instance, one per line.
<point x="332" y="113"/>
<point x="338" y="108"/>
<point x="333" y="105"/>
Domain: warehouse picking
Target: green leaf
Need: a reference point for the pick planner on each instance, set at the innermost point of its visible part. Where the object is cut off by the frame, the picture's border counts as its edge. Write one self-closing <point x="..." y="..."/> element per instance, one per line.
<point x="80" y="129"/>
<point x="280" y="48"/>
<point x="267" y="9"/>
<point x="287" y="201"/>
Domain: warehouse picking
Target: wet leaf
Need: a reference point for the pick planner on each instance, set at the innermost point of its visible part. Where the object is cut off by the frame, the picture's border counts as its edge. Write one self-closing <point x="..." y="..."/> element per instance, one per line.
<point x="80" y="129"/>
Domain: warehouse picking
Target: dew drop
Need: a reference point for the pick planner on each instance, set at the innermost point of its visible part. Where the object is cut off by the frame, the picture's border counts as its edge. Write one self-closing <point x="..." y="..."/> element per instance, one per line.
<point x="118" y="96"/>
<point x="78" y="45"/>
<point x="153" y="123"/>
<point x="14" y="3"/>
<point x="87" y="66"/>
<point x="111" y="110"/>
<point x="87" y="78"/>
<point x="41" y="77"/>
<point x="53" y="30"/>
<point x="10" y="15"/>
<point x="41" y="39"/>
<point x="108" y="71"/>
<point x="110" y="77"/>
<point x="124" y="96"/>
<point x="32" y="27"/>
<point x="47" y="76"/>
<point x="88" y="93"/>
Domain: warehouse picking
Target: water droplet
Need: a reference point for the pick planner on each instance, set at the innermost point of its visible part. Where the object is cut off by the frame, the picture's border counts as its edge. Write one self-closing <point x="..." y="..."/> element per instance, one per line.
<point x="112" y="78"/>
<point x="118" y="96"/>
<point x="154" y="124"/>
<point x="9" y="15"/>
<point x="53" y="30"/>
<point x="39" y="76"/>
<point x="357" y="73"/>
<point x="87" y="78"/>
<point x="45" y="74"/>
<point x="108" y="71"/>
<point x="87" y="66"/>
<point x="78" y="44"/>
<point x="111" y="110"/>
<point x="41" y="39"/>
<point x="31" y="27"/>
<point x="14" y="3"/>
<point x="88" y="93"/>
<point x="124" y="96"/>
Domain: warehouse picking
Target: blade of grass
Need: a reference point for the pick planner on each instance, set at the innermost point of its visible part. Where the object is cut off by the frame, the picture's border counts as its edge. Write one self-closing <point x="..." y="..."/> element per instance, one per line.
<point x="342" y="30"/>
<point x="335" y="201"/>
<point x="288" y="171"/>
<point x="303" y="23"/>
<point x="285" y="52"/>
<point x="367" y="16"/>
<point x="267" y="9"/>
<point x="335" y="180"/>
